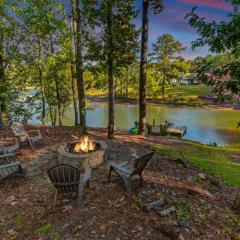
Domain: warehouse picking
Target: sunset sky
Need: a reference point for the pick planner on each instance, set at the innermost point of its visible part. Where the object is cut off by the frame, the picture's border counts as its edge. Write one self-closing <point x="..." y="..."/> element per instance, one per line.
<point x="171" y="20"/>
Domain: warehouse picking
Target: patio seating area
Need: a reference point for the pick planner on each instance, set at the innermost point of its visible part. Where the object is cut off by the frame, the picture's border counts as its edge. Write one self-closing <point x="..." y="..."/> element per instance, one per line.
<point x="151" y="210"/>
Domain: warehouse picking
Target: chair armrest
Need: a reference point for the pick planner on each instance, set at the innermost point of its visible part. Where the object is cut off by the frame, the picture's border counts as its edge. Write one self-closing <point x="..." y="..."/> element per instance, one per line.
<point x="32" y="131"/>
<point x="118" y="167"/>
<point x="19" y="134"/>
<point x="7" y="155"/>
<point x="86" y="176"/>
<point x="15" y="140"/>
<point x="134" y="156"/>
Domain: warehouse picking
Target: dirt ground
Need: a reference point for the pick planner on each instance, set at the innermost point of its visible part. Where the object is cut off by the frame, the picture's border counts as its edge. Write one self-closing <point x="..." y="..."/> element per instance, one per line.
<point x="195" y="205"/>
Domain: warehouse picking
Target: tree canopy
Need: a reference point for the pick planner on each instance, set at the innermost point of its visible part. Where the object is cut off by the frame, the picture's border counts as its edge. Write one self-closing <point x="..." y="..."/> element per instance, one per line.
<point x="222" y="38"/>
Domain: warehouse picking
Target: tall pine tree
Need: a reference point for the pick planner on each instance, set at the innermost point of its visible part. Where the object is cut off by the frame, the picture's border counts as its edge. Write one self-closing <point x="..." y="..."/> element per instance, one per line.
<point x="157" y="7"/>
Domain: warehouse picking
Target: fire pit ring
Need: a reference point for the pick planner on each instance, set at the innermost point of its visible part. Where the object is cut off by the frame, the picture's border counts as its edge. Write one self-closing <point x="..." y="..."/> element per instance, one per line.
<point x="82" y="160"/>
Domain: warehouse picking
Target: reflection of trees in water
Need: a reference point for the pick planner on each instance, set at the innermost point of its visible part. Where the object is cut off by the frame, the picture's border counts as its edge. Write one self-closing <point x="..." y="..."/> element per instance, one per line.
<point x="204" y="125"/>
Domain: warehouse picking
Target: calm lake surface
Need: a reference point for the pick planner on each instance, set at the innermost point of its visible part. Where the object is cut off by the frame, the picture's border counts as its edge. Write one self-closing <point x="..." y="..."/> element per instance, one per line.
<point x="204" y="125"/>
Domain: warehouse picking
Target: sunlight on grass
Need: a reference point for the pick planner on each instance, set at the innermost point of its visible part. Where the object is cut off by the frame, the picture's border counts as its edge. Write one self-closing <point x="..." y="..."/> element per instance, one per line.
<point x="188" y="91"/>
<point x="211" y="159"/>
<point x="96" y="92"/>
<point x="174" y="93"/>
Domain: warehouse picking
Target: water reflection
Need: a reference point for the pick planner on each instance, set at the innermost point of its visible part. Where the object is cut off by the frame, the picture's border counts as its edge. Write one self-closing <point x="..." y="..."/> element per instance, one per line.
<point x="204" y="125"/>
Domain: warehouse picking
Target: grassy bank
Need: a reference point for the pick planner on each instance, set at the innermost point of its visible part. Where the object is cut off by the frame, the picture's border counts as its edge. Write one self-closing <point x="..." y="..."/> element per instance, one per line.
<point x="188" y="91"/>
<point x="215" y="160"/>
<point x="178" y="95"/>
<point x="186" y="94"/>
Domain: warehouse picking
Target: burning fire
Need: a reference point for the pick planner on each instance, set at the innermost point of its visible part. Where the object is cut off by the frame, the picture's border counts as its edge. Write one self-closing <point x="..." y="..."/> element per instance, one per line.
<point x="85" y="145"/>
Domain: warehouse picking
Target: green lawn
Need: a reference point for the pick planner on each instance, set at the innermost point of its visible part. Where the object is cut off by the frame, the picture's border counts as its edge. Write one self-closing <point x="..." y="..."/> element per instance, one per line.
<point x="187" y="91"/>
<point x="96" y="92"/>
<point x="183" y="94"/>
<point x="214" y="160"/>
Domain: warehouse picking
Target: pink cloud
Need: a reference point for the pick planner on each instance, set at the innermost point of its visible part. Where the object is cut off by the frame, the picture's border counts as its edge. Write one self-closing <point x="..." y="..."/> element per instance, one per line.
<point x="174" y="18"/>
<point x="220" y="4"/>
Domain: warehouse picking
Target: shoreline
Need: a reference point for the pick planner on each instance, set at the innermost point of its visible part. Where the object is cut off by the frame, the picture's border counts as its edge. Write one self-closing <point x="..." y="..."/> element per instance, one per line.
<point x="134" y="101"/>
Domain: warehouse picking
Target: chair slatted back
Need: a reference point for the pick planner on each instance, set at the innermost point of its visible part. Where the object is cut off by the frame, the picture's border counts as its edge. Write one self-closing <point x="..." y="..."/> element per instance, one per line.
<point x="8" y="170"/>
<point x="65" y="177"/>
<point x="141" y="162"/>
<point x="8" y="165"/>
<point x="18" y="129"/>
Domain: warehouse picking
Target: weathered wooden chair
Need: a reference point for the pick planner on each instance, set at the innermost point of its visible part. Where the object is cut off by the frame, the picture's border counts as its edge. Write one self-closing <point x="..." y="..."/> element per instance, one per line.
<point x="11" y="146"/>
<point x="67" y="178"/>
<point x="9" y="165"/>
<point x="126" y="170"/>
<point x="32" y="136"/>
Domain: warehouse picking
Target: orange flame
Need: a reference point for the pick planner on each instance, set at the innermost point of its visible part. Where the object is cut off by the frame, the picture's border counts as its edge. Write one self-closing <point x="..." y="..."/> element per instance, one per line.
<point x="85" y="145"/>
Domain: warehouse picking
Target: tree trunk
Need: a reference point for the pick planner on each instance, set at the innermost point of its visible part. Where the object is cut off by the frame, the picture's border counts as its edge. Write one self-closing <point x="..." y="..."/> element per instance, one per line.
<point x="57" y="86"/>
<point x="2" y="102"/>
<point x="127" y="83"/>
<point x="74" y="96"/>
<point x="164" y="76"/>
<point x="73" y="30"/>
<point x="55" y="76"/>
<point x="143" y="67"/>
<point x="164" y="82"/>
<point x="79" y="66"/>
<point x="41" y="85"/>
<point x="51" y="115"/>
<point x="42" y="96"/>
<point x="110" y="71"/>
<point x="163" y="90"/>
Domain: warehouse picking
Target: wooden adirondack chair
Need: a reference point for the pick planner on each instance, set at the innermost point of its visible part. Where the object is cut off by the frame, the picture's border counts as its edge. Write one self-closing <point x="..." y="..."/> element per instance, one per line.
<point x="126" y="170"/>
<point x="9" y="148"/>
<point x="32" y="136"/>
<point x="9" y="165"/>
<point x="66" y="178"/>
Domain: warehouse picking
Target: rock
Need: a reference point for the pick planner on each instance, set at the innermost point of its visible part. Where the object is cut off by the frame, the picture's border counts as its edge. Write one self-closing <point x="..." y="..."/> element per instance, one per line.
<point x="180" y="237"/>
<point x="154" y="205"/>
<point x="67" y="208"/>
<point x="212" y="212"/>
<point x="192" y="179"/>
<point x="175" y="223"/>
<point x="167" y="211"/>
<point x="12" y="232"/>
<point x="185" y="223"/>
<point x="202" y="176"/>
<point x="10" y="199"/>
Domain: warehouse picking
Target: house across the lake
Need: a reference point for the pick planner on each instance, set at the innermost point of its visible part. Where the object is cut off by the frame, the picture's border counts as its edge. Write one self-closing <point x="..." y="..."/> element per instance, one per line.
<point x="189" y="81"/>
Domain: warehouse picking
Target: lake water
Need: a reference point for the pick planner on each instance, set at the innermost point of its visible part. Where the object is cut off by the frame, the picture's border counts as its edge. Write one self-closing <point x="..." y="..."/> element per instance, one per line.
<point x="203" y="125"/>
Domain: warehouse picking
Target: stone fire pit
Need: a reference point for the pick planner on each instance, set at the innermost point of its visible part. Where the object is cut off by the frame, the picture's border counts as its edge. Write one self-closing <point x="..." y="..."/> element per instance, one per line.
<point x="82" y="160"/>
